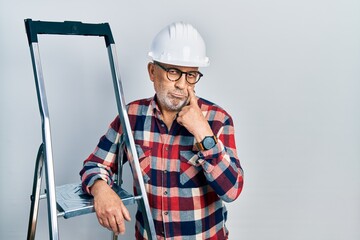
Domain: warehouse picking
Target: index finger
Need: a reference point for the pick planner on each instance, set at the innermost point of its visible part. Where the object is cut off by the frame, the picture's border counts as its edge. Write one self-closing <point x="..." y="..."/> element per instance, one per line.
<point x="191" y="93"/>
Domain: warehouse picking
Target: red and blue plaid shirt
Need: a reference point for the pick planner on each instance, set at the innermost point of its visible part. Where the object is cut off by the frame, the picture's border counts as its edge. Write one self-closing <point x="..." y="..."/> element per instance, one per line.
<point x="186" y="187"/>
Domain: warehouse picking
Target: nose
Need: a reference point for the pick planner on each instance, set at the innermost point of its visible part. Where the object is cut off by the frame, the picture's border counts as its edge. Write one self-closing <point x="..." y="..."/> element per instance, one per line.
<point x="181" y="83"/>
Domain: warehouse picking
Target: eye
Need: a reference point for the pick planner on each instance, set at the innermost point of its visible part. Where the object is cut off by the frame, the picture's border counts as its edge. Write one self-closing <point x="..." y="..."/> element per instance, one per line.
<point x="192" y="74"/>
<point x="173" y="71"/>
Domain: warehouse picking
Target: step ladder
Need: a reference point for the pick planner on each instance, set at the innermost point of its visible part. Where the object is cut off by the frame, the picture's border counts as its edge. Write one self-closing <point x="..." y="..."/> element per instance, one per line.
<point x="69" y="200"/>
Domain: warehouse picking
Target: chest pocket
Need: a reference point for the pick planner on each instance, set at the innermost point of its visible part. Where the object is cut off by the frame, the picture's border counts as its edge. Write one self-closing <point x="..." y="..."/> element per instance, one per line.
<point x="191" y="172"/>
<point x="144" y="154"/>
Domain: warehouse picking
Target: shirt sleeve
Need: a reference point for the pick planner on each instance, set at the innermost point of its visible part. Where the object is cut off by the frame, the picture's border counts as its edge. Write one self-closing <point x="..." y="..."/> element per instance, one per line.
<point x="221" y="164"/>
<point x="101" y="164"/>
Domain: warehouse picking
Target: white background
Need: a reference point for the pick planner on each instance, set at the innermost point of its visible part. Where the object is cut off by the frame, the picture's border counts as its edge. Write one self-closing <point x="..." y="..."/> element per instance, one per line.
<point x="287" y="71"/>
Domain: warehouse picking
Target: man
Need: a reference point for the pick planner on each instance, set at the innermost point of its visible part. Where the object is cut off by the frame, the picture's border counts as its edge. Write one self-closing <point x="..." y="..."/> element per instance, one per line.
<point x="186" y="148"/>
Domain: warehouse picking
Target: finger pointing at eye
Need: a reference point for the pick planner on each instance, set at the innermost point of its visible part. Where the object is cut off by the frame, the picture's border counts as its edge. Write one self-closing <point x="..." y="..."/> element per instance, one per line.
<point x="192" y="97"/>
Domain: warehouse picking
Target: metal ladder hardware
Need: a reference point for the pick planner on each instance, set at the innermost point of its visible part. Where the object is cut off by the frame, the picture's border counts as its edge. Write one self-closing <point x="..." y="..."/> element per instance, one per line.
<point x="69" y="200"/>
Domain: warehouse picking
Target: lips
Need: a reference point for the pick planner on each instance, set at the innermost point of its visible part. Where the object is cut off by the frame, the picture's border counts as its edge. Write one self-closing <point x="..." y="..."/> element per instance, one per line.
<point x="178" y="95"/>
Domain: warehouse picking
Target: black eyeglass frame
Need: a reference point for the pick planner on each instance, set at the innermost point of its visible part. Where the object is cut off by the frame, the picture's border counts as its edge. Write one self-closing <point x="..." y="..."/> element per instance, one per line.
<point x="178" y="70"/>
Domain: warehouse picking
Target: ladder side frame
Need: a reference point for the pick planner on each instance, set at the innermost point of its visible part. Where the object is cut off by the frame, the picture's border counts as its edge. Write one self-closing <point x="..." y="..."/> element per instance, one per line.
<point x="46" y="141"/>
<point x="35" y="196"/>
<point x="129" y="140"/>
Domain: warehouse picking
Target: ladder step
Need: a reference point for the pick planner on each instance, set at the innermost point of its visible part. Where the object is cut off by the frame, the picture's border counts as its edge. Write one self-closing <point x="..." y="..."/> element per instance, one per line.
<point x="72" y="201"/>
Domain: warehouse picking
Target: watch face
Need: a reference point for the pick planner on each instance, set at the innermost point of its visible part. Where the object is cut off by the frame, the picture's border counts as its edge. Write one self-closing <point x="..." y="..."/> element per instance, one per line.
<point x="208" y="143"/>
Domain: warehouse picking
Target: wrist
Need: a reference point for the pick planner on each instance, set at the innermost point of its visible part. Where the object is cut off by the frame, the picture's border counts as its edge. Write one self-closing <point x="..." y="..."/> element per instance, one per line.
<point x="98" y="186"/>
<point x="207" y="143"/>
<point x="200" y="135"/>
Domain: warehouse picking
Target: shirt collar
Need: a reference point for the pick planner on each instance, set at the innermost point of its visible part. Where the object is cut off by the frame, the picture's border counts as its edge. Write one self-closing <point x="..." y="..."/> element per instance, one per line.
<point x="155" y="108"/>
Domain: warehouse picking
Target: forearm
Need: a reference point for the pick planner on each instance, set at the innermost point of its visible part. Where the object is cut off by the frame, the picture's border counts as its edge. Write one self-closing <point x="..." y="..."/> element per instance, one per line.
<point x="221" y="164"/>
<point x="223" y="171"/>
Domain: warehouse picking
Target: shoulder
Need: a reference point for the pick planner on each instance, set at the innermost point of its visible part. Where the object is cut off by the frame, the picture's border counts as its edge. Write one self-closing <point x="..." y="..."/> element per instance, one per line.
<point x="208" y="106"/>
<point x="141" y="102"/>
<point x="216" y="115"/>
<point x="139" y="107"/>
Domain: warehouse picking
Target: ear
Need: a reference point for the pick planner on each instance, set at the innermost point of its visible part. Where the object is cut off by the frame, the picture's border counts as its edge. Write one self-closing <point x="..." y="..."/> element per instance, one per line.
<point x="151" y="71"/>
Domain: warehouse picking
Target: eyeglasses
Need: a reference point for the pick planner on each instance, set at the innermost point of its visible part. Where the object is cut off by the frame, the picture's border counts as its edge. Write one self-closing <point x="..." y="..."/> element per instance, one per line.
<point x="174" y="74"/>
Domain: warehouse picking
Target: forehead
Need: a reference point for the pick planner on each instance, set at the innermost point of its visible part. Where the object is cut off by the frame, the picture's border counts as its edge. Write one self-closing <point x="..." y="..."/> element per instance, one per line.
<point x="182" y="68"/>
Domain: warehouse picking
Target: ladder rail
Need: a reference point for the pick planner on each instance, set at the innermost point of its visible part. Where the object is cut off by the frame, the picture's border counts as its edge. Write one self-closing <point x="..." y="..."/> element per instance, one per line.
<point x="129" y="140"/>
<point x="46" y="139"/>
<point x="35" y="196"/>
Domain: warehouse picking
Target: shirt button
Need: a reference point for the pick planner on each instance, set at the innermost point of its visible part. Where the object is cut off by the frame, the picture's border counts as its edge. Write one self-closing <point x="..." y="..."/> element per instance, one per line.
<point x="166" y="213"/>
<point x="167" y="149"/>
<point x="165" y="171"/>
<point x="163" y="125"/>
<point x="165" y="193"/>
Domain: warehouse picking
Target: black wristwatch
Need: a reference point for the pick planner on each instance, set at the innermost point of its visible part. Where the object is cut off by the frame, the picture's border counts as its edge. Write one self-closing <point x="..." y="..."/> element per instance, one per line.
<point x="207" y="143"/>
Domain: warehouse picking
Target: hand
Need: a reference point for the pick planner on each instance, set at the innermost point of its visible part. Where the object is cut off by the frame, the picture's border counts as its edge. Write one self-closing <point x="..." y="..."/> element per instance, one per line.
<point x="192" y="118"/>
<point x="110" y="210"/>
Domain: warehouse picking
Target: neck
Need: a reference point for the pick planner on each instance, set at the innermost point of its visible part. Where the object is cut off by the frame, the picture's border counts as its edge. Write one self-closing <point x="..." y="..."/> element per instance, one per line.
<point x="168" y="117"/>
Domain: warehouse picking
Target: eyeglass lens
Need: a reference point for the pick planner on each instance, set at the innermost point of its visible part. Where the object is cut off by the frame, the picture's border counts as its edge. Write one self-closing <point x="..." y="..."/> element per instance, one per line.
<point x="174" y="74"/>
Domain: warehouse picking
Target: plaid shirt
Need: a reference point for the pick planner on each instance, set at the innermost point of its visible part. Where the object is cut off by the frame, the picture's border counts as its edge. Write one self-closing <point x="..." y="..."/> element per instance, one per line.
<point x="186" y="188"/>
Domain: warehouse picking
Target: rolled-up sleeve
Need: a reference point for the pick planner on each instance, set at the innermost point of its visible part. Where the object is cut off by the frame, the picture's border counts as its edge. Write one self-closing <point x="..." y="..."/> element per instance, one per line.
<point x="101" y="164"/>
<point x="221" y="164"/>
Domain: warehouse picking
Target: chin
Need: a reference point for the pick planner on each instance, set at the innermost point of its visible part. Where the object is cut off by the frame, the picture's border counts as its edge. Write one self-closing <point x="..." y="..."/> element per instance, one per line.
<point x="176" y="107"/>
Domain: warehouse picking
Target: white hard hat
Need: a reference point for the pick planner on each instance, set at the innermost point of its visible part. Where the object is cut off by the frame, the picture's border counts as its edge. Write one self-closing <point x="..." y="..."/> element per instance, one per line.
<point x="179" y="44"/>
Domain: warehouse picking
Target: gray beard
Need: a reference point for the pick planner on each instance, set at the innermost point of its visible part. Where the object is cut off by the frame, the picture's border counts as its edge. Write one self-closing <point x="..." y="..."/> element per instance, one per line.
<point x="169" y="105"/>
